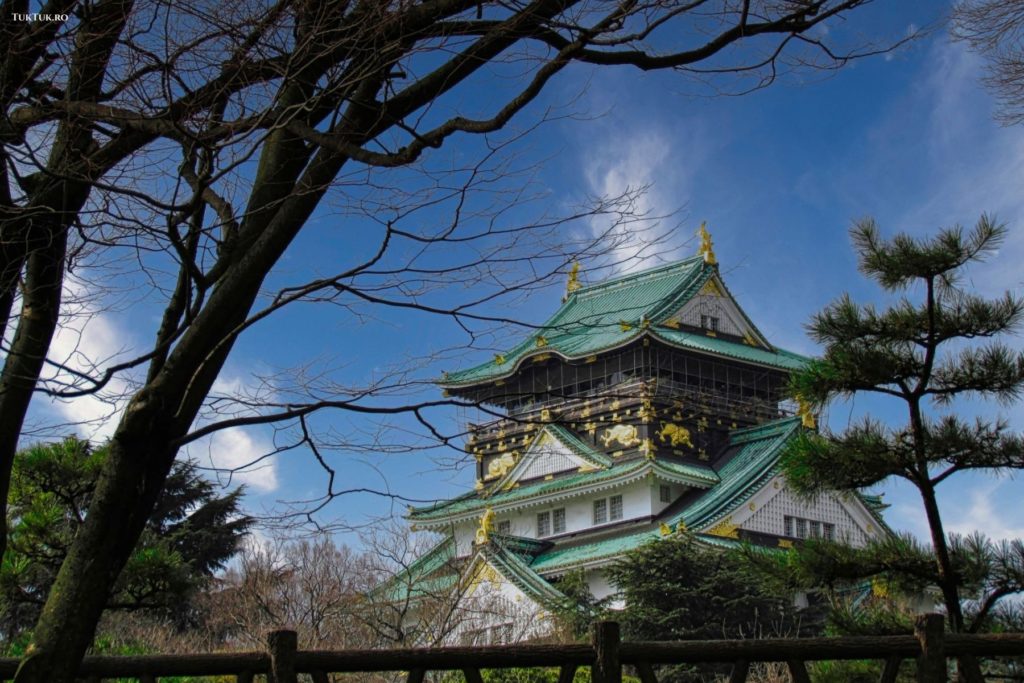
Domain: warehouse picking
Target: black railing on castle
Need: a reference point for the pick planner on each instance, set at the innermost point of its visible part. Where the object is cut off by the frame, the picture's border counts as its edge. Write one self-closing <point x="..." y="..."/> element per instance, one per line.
<point x="606" y="655"/>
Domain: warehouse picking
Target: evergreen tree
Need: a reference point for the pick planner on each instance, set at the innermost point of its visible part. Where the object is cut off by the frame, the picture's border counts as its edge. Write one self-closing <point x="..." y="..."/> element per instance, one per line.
<point x="678" y="589"/>
<point x="191" y="534"/>
<point x="925" y="355"/>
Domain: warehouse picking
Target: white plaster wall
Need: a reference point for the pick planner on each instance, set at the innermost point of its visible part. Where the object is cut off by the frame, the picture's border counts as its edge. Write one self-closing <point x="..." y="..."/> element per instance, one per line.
<point x="598" y="584"/>
<point x="639" y="500"/>
<point x="675" y="490"/>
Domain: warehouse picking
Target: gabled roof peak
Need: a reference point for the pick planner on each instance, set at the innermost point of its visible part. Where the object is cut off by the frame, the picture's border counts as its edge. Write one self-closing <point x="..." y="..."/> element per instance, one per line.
<point x="636" y="278"/>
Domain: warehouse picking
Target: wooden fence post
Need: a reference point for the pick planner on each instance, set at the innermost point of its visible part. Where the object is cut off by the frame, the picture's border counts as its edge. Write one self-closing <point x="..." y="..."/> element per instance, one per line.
<point x="604" y="636"/>
<point x="930" y="632"/>
<point x="282" y="646"/>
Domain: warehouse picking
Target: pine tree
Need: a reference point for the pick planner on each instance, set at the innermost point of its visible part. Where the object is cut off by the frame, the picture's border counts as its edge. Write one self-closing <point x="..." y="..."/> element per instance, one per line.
<point x="678" y="589"/>
<point x="191" y="534"/>
<point x="936" y="344"/>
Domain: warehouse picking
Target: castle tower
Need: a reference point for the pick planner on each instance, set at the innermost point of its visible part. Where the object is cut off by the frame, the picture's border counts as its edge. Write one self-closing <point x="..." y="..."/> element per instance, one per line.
<point x="647" y="404"/>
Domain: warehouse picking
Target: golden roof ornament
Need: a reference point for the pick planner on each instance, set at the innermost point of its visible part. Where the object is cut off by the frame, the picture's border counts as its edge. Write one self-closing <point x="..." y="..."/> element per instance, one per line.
<point x="806" y="413"/>
<point x="574" y="281"/>
<point x="483" y="534"/>
<point x="706" y="247"/>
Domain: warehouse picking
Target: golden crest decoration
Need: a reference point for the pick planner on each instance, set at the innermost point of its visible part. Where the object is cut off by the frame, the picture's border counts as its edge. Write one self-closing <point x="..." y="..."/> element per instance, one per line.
<point x="483" y="533"/>
<point x="624" y="435"/>
<point x="675" y="435"/>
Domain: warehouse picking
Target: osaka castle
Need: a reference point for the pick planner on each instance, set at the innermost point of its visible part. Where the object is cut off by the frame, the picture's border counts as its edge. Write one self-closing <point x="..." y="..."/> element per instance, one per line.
<point x="647" y="405"/>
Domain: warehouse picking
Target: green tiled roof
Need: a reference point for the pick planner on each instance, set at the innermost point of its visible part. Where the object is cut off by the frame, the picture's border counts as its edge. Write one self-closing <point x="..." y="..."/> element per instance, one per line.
<point x="755" y="462"/>
<point x="422" y="577"/>
<point x="778" y="358"/>
<point x="522" y="575"/>
<point x="561" y="559"/>
<point x="472" y="502"/>
<point x="687" y="470"/>
<point x="591" y="320"/>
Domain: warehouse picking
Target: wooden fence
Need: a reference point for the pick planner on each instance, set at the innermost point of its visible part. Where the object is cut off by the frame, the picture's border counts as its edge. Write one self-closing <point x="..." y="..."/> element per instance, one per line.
<point x="605" y="655"/>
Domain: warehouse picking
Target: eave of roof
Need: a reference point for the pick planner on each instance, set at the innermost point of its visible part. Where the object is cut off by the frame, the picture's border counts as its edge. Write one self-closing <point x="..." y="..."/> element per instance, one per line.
<point x="618" y="312"/>
<point x="560" y="560"/>
<point x="570" y="486"/>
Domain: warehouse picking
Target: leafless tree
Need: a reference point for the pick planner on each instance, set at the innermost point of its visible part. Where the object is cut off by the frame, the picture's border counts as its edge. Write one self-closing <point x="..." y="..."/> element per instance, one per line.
<point x="197" y="139"/>
<point x="313" y="586"/>
<point x="995" y="30"/>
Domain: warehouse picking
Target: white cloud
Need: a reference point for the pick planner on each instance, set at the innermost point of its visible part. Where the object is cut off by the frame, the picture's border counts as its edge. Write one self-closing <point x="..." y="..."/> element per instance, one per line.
<point x="239" y="454"/>
<point x="983" y="508"/>
<point x="242" y="455"/>
<point x="88" y="340"/>
<point x="976" y="165"/>
<point x="631" y="157"/>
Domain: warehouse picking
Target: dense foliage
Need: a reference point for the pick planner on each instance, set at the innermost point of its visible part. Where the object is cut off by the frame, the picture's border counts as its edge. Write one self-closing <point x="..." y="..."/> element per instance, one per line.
<point x="191" y="534"/>
<point x="679" y="589"/>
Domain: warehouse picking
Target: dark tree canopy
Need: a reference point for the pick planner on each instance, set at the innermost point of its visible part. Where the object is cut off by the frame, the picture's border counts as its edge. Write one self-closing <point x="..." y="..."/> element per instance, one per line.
<point x="678" y="589"/>
<point x="192" y="533"/>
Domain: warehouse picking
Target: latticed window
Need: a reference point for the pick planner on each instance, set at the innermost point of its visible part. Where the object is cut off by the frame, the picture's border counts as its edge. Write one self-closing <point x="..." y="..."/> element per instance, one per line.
<point x="551" y="522"/>
<point x="607" y="509"/>
<point x="808" y="528"/>
<point x="600" y="511"/>
<point x="558" y="520"/>
<point x="665" y="494"/>
<point x="505" y="526"/>
<point x="615" y="508"/>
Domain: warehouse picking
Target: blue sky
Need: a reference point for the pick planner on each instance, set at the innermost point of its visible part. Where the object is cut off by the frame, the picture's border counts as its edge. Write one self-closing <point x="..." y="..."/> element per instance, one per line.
<point x="779" y="176"/>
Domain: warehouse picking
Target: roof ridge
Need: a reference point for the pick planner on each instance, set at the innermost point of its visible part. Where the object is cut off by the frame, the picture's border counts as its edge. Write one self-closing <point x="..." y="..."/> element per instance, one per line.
<point x="633" y="278"/>
<point x="772" y="428"/>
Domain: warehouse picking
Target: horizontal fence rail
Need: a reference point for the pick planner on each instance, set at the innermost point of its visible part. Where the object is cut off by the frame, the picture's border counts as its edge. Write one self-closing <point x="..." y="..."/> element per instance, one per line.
<point x="605" y="656"/>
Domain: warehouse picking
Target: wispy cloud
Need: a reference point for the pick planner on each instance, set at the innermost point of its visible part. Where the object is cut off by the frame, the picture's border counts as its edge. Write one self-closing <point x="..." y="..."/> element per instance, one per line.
<point x="88" y="340"/>
<point x="637" y="153"/>
<point x="240" y="455"/>
<point x="985" y="508"/>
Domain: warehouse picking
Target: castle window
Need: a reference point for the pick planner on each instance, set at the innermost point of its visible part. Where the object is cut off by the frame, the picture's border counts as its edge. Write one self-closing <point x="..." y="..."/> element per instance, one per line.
<point x="709" y="322"/>
<point x="607" y="509"/>
<point x="801" y="528"/>
<point x="665" y="494"/>
<point x="505" y="527"/>
<point x="558" y="520"/>
<point x="807" y="528"/>
<point x="615" y="508"/>
<point x="551" y="522"/>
